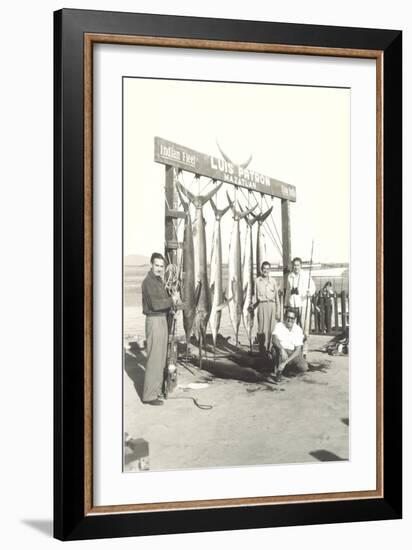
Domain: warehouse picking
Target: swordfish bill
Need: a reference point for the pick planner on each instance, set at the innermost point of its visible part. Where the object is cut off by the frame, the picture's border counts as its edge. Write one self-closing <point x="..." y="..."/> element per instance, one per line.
<point x="202" y="290"/>
<point x="188" y="272"/>
<point x="248" y="281"/>
<point x="235" y="284"/>
<point x="216" y="277"/>
<point x="260" y="243"/>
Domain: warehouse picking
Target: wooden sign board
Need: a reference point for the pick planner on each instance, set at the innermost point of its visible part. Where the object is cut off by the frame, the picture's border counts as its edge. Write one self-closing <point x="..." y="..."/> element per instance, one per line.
<point x="173" y="154"/>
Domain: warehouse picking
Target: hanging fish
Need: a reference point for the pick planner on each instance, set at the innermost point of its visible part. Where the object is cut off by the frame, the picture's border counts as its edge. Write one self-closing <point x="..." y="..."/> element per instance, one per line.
<point x="248" y="281"/>
<point x="260" y="241"/>
<point x="216" y="277"/>
<point x="188" y="292"/>
<point x="235" y="285"/>
<point x="203" y="297"/>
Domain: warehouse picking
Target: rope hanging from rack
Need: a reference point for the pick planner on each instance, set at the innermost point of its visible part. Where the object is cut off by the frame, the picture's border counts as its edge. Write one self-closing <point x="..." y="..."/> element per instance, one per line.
<point x="183" y="182"/>
<point x="268" y="228"/>
<point x="271" y="236"/>
<point x="172" y="281"/>
<point x="207" y="184"/>
<point x="273" y="221"/>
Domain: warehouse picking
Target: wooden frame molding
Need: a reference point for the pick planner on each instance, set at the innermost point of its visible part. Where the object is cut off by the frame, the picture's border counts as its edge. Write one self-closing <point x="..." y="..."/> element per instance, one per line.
<point x="76" y="32"/>
<point x="89" y="40"/>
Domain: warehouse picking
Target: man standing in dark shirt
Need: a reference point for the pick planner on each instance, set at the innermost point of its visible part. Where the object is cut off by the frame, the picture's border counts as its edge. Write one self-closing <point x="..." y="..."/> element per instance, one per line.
<point x="156" y="305"/>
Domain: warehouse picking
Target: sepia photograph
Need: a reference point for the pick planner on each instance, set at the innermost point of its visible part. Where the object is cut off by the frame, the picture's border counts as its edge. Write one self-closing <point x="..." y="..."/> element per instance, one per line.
<point x="236" y="262"/>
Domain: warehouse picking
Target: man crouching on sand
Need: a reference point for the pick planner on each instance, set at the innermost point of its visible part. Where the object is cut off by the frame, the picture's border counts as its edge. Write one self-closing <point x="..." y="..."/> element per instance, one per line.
<point x="287" y="339"/>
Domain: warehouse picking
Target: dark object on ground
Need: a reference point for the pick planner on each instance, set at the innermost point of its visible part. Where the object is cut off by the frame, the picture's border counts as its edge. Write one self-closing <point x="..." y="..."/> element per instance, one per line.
<point x="316" y="382"/>
<point x="135" y="449"/>
<point x="339" y="345"/>
<point x="202" y="406"/>
<point x="224" y="368"/>
<point x="325" y="456"/>
<point x="319" y="367"/>
<point x="256" y="361"/>
<point x="263" y="387"/>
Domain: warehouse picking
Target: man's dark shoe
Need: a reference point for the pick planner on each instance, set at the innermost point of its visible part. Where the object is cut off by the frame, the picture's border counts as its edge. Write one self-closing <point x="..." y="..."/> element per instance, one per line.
<point x="155" y="402"/>
<point x="275" y="376"/>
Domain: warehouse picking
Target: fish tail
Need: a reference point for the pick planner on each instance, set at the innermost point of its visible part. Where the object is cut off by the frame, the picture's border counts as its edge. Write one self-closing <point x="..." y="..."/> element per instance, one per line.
<point x="204" y="199"/>
<point x="263" y="217"/>
<point x="246" y="212"/>
<point x="212" y="204"/>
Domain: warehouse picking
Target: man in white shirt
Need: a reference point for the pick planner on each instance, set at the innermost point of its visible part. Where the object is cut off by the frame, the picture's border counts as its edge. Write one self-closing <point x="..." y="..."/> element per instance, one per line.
<point x="287" y="342"/>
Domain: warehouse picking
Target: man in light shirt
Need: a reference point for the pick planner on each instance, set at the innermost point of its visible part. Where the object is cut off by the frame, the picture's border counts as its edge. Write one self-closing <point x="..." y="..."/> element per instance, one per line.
<point x="299" y="291"/>
<point x="267" y="301"/>
<point x="287" y="342"/>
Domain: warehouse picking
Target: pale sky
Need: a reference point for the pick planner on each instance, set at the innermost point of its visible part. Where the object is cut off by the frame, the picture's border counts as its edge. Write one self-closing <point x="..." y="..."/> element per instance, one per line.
<point x="300" y="135"/>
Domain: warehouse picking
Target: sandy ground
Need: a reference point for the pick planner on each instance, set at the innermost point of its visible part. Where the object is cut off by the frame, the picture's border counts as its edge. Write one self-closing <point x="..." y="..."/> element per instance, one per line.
<point x="301" y="419"/>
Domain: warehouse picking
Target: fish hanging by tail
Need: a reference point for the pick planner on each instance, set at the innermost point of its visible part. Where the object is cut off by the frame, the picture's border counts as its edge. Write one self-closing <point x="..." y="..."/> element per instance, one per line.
<point x="188" y="289"/>
<point x="248" y="281"/>
<point x="216" y="276"/>
<point x="235" y="296"/>
<point x="260" y="241"/>
<point x="202" y="290"/>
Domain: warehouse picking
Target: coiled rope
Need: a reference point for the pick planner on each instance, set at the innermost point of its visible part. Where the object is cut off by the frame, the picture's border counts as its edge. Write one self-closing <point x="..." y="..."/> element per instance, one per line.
<point x="172" y="282"/>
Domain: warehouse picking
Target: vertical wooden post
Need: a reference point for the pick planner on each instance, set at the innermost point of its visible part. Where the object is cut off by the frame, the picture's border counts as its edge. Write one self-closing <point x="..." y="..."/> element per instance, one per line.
<point x="335" y="304"/>
<point x="313" y="316"/>
<point x="286" y="241"/>
<point x="169" y="204"/>
<point x="316" y="316"/>
<point x="281" y="303"/>
<point x="343" y="308"/>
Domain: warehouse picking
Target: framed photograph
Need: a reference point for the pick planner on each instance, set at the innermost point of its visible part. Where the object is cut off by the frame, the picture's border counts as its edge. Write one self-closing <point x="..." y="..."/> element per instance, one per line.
<point x="227" y="274"/>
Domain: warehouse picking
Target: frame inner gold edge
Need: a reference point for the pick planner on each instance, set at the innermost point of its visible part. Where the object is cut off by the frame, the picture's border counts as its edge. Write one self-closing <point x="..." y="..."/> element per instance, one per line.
<point x="89" y="40"/>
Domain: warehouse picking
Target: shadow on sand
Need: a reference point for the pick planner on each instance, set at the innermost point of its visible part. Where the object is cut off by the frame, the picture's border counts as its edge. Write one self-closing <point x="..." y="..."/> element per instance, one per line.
<point x="230" y="362"/>
<point x="223" y="348"/>
<point x="325" y="456"/>
<point x="321" y="366"/>
<point x="225" y="361"/>
<point x="134" y="365"/>
<point x="225" y="368"/>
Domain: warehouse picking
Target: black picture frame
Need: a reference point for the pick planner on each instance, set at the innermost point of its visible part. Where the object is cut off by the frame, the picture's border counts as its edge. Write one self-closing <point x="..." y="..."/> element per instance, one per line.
<point x="71" y="519"/>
